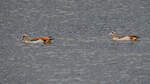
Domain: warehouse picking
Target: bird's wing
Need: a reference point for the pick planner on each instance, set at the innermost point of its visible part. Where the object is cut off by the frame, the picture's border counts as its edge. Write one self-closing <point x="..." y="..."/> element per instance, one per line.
<point x="44" y="38"/>
<point x="35" y="39"/>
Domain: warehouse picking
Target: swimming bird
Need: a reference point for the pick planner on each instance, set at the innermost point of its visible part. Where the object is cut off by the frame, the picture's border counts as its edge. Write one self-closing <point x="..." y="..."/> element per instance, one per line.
<point x="123" y="38"/>
<point x="45" y="40"/>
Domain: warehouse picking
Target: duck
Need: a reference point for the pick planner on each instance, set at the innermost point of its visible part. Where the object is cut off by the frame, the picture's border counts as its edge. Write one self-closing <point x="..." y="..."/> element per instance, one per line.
<point x="124" y="38"/>
<point x="45" y="40"/>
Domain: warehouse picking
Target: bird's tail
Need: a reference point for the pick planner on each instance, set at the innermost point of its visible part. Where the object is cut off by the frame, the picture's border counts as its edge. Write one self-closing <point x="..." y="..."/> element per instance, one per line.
<point x="51" y="38"/>
<point x="134" y="38"/>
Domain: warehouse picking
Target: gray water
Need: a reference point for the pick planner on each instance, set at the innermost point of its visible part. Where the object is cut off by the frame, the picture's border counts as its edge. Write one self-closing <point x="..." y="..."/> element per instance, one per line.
<point x="82" y="52"/>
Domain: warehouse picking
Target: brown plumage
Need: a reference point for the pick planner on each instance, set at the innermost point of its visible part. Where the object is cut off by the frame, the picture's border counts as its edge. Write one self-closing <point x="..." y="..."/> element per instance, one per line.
<point x="45" y="40"/>
<point x="132" y="38"/>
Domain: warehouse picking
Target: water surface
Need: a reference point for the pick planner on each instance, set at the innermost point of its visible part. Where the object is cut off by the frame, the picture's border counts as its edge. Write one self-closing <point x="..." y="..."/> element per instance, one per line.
<point x="82" y="52"/>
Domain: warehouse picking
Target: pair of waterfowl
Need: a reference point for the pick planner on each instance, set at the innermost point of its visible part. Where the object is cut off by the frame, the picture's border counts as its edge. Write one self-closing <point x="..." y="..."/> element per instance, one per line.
<point x="47" y="40"/>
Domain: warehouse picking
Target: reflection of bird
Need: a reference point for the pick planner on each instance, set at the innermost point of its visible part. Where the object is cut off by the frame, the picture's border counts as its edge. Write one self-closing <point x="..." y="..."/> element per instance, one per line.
<point x="45" y="40"/>
<point x="115" y="37"/>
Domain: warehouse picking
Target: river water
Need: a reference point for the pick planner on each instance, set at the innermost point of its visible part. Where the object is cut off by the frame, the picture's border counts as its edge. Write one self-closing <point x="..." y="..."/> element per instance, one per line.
<point x="83" y="51"/>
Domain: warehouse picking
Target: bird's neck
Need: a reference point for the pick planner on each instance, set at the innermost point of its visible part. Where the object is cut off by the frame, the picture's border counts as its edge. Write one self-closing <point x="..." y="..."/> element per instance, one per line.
<point x="115" y="37"/>
<point x="27" y="38"/>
